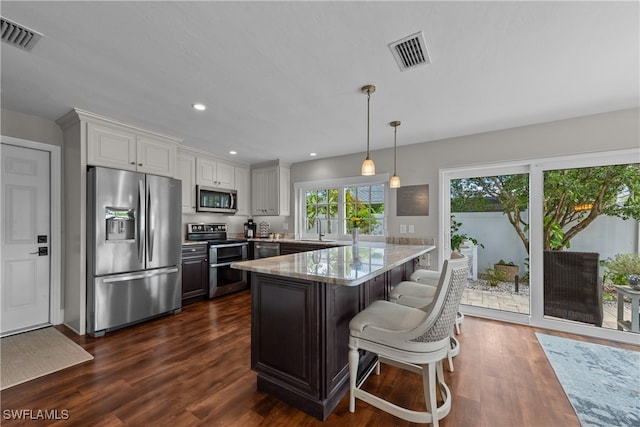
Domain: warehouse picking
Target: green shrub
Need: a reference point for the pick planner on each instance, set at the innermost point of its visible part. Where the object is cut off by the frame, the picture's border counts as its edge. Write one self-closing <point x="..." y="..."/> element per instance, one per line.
<point x="493" y="277"/>
<point x="620" y="267"/>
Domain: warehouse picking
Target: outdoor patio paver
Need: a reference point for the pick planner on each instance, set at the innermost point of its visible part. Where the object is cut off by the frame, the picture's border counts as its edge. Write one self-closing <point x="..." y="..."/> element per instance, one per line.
<point x="520" y="304"/>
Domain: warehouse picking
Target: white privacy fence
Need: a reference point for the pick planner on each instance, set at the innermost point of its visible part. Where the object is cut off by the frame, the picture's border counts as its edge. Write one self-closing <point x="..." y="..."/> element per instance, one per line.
<point x="607" y="236"/>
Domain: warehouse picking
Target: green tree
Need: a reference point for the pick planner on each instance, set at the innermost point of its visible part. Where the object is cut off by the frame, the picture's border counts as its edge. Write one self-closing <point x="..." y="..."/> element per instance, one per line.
<point x="366" y="211"/>
<point x="573" y="199"/>
<point x="322" y="205"/>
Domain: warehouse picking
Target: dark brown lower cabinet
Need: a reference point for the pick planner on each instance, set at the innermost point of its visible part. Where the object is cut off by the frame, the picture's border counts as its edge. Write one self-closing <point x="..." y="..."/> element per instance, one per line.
<point x="195" y="273"/>
<point x="300" y="336"/>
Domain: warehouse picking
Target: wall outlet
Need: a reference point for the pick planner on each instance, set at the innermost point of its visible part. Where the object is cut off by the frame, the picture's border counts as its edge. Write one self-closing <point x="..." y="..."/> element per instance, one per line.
<point x="285" y="226"/>
<point x="412" y="229"/>
<point x="403" y="229"/>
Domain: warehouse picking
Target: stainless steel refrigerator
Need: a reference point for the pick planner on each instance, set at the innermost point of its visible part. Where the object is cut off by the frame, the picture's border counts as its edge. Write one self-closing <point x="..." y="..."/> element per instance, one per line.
<point x="134" y="235"/>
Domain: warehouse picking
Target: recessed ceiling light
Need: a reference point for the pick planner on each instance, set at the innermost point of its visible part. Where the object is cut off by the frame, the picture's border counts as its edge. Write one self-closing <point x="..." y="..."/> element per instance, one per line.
<point x="199" y="107"/>
<point x="313" y="154"/>
<point x="233" y="152"/>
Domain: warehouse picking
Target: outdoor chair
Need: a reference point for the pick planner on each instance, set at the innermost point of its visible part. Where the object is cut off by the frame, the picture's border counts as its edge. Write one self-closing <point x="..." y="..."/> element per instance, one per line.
<point x="571" y="287"/>
<point x="415" y="339"/>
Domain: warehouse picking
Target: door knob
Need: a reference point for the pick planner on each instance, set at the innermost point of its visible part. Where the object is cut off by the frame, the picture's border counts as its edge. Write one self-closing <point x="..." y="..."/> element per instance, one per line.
<point x="42" y="251"/>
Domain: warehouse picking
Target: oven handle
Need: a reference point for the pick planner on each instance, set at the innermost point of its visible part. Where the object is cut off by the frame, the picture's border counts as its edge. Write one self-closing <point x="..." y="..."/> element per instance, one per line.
<point x="224" y="264"/>
<point x="228" y="245"/>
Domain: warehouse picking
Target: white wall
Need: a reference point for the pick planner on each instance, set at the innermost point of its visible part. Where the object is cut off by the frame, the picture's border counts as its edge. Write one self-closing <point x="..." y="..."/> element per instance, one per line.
<point x="31" y="128"/>
<point x="607" y="236"/>
<point x="420" y="163"/>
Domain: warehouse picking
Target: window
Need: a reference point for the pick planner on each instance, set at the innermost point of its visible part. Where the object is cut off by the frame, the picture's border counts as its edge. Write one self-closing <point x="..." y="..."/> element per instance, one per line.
<point x="365" y="204"/>
<point x="322" y="205"/>
<point x="337" y="208"/>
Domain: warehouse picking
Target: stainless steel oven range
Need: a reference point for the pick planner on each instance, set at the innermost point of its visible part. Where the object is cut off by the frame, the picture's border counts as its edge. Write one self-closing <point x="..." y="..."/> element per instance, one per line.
<point x="222" y="252"/>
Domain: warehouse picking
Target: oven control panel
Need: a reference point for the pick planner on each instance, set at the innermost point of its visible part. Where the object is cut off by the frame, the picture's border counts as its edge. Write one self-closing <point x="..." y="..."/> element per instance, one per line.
<point x="206" y="228"/>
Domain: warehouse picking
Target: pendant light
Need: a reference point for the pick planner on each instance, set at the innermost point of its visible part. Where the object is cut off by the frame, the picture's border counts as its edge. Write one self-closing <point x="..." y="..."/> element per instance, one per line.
<point x="395" y="179"/>
<point x="368" y="167"/>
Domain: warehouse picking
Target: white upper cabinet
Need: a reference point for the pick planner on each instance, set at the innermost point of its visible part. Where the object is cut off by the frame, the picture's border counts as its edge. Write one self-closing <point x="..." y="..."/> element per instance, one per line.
<point x="213" y="173"/>
<point x="186" y="172"/>
<point x="270" y="192"/>
<point x="125" y="148"/>
<point x="194" y="168"/>
<point x="155" y="156"/>
<point x="108" y="146"/>
<point x="243" y="183"/>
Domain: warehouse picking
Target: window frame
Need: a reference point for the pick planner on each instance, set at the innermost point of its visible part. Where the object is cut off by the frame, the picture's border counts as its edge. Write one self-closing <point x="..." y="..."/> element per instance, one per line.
<point x="300" y="189"/>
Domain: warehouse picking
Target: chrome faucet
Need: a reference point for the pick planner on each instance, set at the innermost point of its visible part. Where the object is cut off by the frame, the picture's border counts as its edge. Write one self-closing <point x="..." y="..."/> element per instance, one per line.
<point x="319" y="227"/>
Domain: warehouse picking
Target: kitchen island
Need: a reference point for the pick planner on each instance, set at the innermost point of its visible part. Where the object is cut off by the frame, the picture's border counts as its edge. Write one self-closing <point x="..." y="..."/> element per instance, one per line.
<point x="301" y="305"/>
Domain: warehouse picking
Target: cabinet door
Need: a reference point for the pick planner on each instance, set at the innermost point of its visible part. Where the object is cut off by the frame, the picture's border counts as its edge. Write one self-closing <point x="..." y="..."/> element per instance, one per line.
<point x="194" y="278"/>
<point x="271" y="192"/>
<point x="206" y="173"/>
<point x="156" y="157"/>
<point x="284" y="178"/>
<point x="243" y="179"/>
<point x="187" y="173"/>
<point x="111" y="147"/>
<point x="258" y="188"/>
<point x="195" y="273"/>
<point x="225" y="176"/>
<point x="375" y="289"/>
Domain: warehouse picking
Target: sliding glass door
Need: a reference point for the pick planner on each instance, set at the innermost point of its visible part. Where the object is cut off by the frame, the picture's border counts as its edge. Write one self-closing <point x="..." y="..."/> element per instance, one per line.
<point x="489" y="223"/>
<point x="488" y="211"/>
<point x="590" y="237"/>
<point x="569" y="225"/>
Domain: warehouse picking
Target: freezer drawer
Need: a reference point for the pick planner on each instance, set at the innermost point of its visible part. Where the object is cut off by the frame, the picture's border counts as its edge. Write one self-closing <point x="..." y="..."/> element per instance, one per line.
<point x="118" y="300"/>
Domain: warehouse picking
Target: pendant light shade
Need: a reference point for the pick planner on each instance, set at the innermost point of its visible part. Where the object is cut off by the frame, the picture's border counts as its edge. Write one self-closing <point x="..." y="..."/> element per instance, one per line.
<point x="368" y="167"/>
<point x="395" y="179"/>
<point x="394" y="182"/>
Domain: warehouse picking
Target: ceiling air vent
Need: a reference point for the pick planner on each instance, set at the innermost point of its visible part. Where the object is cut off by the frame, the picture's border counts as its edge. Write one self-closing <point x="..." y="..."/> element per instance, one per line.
<point x="18" y="35"/>
<point x="410" y="52"/>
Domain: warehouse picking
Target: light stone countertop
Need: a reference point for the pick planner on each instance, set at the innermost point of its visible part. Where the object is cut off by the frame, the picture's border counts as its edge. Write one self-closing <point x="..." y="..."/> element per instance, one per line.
<point x="327" y="242"/>
<point x="321" y="243"/>
<point x="344" y="265"/>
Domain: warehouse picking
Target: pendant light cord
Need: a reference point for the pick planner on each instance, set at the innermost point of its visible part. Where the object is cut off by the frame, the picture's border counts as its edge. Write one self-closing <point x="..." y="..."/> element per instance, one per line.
<point x="368" y="114"/>
<point x="395" y="131"/>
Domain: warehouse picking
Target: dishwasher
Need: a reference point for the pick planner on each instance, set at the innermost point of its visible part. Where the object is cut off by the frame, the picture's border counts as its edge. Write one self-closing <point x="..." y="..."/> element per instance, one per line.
<point x="265" y="249"/>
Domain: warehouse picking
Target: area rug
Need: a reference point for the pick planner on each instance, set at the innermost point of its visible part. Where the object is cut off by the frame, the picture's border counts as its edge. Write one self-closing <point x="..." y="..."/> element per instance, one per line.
<point x="600" y="381"/>
<point x="36" y="353"/>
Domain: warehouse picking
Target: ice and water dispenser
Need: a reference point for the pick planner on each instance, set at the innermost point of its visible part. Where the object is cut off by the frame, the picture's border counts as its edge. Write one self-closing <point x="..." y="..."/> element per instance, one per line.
<point x="120" y="223"/>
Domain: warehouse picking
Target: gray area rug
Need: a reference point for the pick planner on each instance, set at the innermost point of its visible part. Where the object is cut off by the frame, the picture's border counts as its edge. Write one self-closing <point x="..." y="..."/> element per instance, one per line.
<point x="36" y="353"/>
<point x="601" y="382"/>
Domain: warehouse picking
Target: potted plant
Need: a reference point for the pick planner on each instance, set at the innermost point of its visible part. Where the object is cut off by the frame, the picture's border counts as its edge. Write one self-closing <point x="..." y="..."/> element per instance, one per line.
<point x="623" y="270"/>
<point x="458" y="239"/>
<point x="509" y="269"/>
<point x="355" y="227"/>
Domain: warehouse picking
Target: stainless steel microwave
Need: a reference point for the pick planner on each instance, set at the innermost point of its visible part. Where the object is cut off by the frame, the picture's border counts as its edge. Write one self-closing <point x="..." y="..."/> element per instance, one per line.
<point x="210" y="199"/>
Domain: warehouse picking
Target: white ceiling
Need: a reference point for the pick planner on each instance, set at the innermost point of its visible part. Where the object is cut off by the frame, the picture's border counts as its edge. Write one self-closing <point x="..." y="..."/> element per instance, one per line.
<point x="283" y="79"/>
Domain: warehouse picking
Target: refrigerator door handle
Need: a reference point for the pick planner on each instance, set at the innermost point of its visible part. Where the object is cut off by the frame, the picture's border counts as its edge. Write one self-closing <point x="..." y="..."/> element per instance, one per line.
<point x="144" y="275"/>
<point x="151" y="226"/>
<point x="140" y="219"/>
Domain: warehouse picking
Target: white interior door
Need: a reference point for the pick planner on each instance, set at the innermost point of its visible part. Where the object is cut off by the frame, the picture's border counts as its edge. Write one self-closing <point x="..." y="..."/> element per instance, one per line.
<point x="26" y="238"/>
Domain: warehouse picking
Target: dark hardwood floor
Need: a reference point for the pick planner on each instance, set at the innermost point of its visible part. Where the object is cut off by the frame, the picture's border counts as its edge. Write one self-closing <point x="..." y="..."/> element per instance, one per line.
<point x="193" y="369"/>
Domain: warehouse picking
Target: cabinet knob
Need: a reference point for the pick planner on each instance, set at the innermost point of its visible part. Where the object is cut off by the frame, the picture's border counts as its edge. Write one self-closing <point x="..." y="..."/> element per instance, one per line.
<point x="139" y="164"/>
<point x="133" y="163"/>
